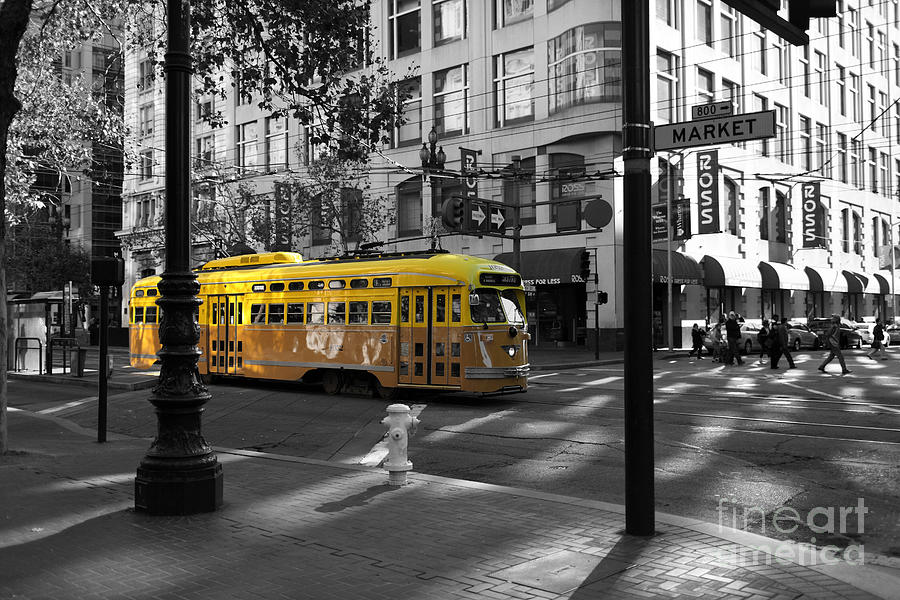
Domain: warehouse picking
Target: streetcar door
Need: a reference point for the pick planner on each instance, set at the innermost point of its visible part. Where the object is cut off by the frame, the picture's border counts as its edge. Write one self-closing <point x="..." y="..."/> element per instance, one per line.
<point x="225" y="349"/>
<point x="415" y="336"/>
<point x="440" y="335"/>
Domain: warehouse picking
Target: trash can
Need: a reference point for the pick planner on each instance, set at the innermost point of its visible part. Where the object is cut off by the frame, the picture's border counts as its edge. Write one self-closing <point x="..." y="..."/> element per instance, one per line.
<point x="78" y="357"/>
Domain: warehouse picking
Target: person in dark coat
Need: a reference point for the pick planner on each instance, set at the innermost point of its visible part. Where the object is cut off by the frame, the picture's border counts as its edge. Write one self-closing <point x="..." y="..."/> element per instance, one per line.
<point x="784" y="344"/>
<point x="833" y="343"/>
<point x="733" y="336"/>
<point x="94" y="332"/>
<point x="697" y="341"/>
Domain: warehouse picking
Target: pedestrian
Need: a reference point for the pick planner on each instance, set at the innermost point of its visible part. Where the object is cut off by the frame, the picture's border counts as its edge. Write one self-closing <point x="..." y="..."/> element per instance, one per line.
<point x="878" y="341"/>
<point x="697" y="341"/>
<point x="784" y="343"/>
<point x="774" y="344"/>
<point x="93" y="332"/>
<point x="763" y="338"/>
<point x="716" y="336"/>
<point x="733" y="336"/>
<point x="833" y="342"/>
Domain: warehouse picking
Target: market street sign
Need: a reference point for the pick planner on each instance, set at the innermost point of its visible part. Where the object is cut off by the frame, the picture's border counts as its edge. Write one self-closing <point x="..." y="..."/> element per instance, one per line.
<point x="709" y="132"/>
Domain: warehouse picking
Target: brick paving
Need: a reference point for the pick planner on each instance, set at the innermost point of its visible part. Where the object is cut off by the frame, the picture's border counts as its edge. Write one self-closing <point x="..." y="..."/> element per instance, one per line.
<point x="294" y="528"/>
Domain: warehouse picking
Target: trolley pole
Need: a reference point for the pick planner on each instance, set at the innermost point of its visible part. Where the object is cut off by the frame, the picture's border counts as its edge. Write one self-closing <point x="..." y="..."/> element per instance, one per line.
<point x="636" y="131"/>
<point x="180" y="474"/>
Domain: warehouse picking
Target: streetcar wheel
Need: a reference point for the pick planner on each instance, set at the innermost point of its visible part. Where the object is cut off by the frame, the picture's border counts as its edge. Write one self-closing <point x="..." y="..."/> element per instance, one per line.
<point x="332" y="382"/>
<point x="383" y="392"/>
<point x="797" y="345"/>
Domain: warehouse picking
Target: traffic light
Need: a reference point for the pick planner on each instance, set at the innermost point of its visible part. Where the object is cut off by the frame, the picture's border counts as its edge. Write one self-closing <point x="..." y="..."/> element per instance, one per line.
<point x="585" y="265"/>
<point x="602" y="297"/>
<point x="800" y="11"/>
<point x="453" y="213"/>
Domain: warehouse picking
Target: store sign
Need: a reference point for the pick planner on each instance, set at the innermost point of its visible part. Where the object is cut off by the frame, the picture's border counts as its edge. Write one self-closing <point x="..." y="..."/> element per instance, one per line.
<point x="681" y="219"/>
<point x="708" y="191"/>
<point x="469" y="161"/>
<point x="813" y="216"/>
<point x="660" y="228"/>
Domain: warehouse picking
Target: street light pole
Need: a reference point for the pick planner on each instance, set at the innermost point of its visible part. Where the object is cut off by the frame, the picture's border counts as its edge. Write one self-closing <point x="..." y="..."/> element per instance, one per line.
<point x="433" y="159"/>
<point x="180" y="474"/>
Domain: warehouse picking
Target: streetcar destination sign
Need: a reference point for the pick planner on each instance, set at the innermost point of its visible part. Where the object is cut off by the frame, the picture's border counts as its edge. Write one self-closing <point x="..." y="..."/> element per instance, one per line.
<point x="709" y="132"/>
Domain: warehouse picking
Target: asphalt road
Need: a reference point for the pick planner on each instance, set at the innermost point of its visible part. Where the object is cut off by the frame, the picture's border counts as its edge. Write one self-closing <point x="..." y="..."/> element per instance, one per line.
<point x="733" y="445"/>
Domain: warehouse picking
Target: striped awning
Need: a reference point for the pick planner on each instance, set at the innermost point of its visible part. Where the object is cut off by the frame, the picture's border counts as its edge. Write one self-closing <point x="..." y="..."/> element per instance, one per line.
<point x="823" y="279"/>
<point x="730" y="272"/>
<point x="779" y="276"/>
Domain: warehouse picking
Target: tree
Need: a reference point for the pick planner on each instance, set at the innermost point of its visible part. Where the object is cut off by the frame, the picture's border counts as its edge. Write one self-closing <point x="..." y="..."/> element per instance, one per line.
<point x="298" y="57"/>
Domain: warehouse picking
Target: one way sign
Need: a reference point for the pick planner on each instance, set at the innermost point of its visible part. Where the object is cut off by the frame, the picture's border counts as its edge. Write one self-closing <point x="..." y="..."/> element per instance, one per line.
<point x="498" y="218"/>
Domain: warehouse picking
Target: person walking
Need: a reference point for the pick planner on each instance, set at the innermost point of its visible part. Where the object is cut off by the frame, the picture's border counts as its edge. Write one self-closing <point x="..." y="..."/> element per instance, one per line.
<point x="716" y="336"/>
<point x="697" y="341"/>
<point x="763" y="338"/>
<point x="784" y="344"/>
<point x="878" y="341"/>
<point x="833" y="341"/>
<point x="733" y="335"/>
<point x="775" y="348"/>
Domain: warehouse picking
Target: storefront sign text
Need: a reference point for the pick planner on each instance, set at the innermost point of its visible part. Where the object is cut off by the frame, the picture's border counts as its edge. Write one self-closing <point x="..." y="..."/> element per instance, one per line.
<point x="708" y="191"/>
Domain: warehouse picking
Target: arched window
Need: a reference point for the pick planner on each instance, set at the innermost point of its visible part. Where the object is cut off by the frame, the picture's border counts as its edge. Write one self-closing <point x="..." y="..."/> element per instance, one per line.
<point x="781" y="211"/>
<point x="732" y="214"/>
<point x="409" y="207"/>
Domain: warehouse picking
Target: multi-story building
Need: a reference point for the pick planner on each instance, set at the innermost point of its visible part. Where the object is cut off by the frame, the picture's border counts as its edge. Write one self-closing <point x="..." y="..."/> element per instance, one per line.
<point x="530" y="91"/>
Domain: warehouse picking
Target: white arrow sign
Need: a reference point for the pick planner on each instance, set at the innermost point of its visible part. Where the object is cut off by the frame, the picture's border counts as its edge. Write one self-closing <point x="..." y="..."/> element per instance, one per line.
<point x="497" y="218"/>
<point x="478" y="214"/>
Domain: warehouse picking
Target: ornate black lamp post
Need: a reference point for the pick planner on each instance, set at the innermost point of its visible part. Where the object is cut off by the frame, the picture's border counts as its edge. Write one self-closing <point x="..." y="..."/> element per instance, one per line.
<point x="433" y="158"/>
<point x="179" y="475"/>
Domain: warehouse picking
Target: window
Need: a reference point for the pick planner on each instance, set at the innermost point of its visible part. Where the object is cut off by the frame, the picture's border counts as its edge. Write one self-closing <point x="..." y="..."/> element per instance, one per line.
<point x="804" y="66"/>
<point x="138" y="313"/>
<point x="782" y="127"/>
<point x="451" y="101"/>
<point x="585" y="65"/>
<point x="276" y="287"/>
<point x="884" y="169"/>
<point x="554" y="4"/>
<point x="852" y="29"/>
<point x="870" y="43"/>
<point x="705" y="86"/>
<point x="276" y="313"/>
<point x="842" y="89"/>
<point x="410" y="133"/>
<point x="845" y="230"/>
<point x="381" y="312"/>
<point x="150" y="314"/>
<point x="857" y="233"/>
<point x="409" y="207"/>
<point x="358" y="284"/>
<point x="316" y="285"/>
<point x="873" y="112"/>
<point x="145" y="120"/>
<point x="782" y="64"/>
<point x="145" y="75"/>
<point x="876" y="227"/>
<point x="450" y="21"/>
<point x="881" y="47"/>
<point x="315" y="313"/>
<point x="764" y="210"/>
<point x="276" y="143"/>
<point x="513" y="11"/>
<point x="337" y="312"/>
<point x="204" y="108"/>
<point x="403" y="27"/>
<point x="666" y="86"/>
<point x="758" y="52"/>
<point x="513" y="86"/>
<point x="842" y="157"/>
<point x="295" y="313"/>
<point x="760" y="103"/>
<point x="704" y="22"/>
<point x="840" y="17"/>
<point x="821" y="81"/>
<point x="821" y="150"/>
<point x="359" y="313"/>
<point x="854" y="96"/>
<point x="873" y="169"/>
<point x="295" y="286"/>
<point x="257" y="313"/>
<point x="805" y="143"/>
<point x="728" y="31"/>
<point x="856" y="164"/>
<point x="337" y="284"/>
<point x="665" y="12"/>
<point x="521" y="191"/>
<point x="732" y="212"/>
<point x="896" y="60"/>
<point x="246" y="145"/>
<point x="455" y="308"/>
<point x="781" y="212"/>
<point x="145" y="167"/>
<point x="205" y="151"/>
<point x="420" y="309"/>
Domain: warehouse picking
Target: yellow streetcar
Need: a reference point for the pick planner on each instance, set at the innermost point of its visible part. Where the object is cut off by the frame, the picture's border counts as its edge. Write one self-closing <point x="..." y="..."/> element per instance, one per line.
<point x="430" y="320"/>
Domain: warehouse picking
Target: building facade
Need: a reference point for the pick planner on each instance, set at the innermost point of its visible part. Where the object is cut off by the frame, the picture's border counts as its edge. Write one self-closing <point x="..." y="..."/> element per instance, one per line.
<point x="526" y="96"/>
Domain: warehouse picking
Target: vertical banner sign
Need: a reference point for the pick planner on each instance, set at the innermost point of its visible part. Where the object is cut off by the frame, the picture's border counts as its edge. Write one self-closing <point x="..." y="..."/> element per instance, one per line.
<point x="469" y="162"/>
<point x="813" y="216"/>
<point x="283" y="229"/>
<point x="708" y="191"/>
<point x="681" y="219"/>
<point x="660" y="223"/>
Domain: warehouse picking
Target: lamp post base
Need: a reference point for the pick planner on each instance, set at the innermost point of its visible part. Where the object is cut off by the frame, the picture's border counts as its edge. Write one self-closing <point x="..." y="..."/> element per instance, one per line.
<point x="173" y="491"/>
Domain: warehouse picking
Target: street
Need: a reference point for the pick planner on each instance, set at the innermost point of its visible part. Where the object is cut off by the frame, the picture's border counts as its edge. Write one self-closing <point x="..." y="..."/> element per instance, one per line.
<point x="733" y="444"/>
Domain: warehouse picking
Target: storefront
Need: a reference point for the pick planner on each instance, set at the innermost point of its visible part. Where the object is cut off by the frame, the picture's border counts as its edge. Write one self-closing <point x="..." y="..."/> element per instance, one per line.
<point x="684" y="271"/>
<point x="555" y="294"/>
<point x="730" y="285"/>
<point x="826" y="286"/>
<point x="780" y="282"/>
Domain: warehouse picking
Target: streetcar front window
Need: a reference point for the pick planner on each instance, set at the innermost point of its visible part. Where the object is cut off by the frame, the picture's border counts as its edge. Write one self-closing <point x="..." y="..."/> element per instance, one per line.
<point x="487" y="308"/>
<point x="512" y="307"/>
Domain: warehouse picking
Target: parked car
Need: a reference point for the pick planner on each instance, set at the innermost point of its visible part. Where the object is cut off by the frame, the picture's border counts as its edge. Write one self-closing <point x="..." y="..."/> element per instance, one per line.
<point x="892" y="334"/>
<point x="865" y="333"/>
<point x="850" y="336"/>
<point x="800" y="336"/>
<point x="748" y="344"/>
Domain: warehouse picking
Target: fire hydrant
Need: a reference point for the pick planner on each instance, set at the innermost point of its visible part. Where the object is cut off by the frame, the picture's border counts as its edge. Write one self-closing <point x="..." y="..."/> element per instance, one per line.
<point x="400" y="426"/>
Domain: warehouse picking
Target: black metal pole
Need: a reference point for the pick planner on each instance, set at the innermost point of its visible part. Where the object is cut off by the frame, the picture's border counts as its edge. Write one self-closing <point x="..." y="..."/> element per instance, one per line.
<point x="639" y="485"/>
<point x="180" y="474"/>
<point x="104" y="345"/>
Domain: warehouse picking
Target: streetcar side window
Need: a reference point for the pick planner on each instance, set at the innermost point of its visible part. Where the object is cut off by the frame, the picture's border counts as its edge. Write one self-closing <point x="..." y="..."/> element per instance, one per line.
<point x="359" y="313"/>
<point x="215" y="313"/>
<point x="359" y="284"/>
<point x="138" y="293"/>
<point x="257" y="313"/>
<point x="150" y="315"/>
<point x="295" y="313"/>
<point x="277" y="287"/>
<point x="337" y="312"/>
<point x="151" y="292"/>
<point x="404" y="309"/>
<point x="456" y="308"/>
<point x="317" y="285"/>
<point x="337" y="284"/>
<point x="295" y="286"/>
<point x="440" y="308"/>
<point x="139" y="314"/>
<point x="315" y="314"/>
<point x="381" y="312"/>
<point x="420" y="309"/>
<point x="276" y="313"/>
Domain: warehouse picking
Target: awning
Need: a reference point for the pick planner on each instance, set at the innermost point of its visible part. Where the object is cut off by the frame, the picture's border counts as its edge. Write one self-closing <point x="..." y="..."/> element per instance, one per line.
<point x="869" y="284"/>
<point x="685" y="270"/>
<point x="547" y="267"/>
<point x="884" y="281"/>
<point x="856" y="283"/>
<point x="731" y="272"/>
<point x="779" y="276"/>
<point x="823" y="279"/>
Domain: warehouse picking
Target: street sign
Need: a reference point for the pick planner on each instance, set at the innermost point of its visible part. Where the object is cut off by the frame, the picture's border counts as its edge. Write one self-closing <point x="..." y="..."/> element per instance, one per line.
<point x="720" y="130"/>
<point x="711" y="110"/>
<point x="477" y="220"/>
<point x="498" y="218"/>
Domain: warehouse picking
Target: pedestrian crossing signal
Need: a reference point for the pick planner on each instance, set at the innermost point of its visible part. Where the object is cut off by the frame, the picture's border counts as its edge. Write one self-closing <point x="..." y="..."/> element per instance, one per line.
<point x="452" y="213"/>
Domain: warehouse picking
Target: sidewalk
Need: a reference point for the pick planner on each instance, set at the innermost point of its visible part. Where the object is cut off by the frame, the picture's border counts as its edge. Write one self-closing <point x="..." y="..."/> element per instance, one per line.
<point x="298" y="528"/>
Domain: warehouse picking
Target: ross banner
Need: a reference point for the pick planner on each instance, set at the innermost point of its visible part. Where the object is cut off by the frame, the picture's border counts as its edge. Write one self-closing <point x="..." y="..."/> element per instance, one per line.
<point x="469" y="164"/>
<point x="813" y="216"/>
<point x="708" y="191"/>
<point x="283" y="225"/>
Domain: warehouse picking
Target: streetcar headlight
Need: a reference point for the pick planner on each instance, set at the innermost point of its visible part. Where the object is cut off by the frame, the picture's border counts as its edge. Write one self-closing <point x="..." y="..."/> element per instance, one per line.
<point x="511" y="350"/>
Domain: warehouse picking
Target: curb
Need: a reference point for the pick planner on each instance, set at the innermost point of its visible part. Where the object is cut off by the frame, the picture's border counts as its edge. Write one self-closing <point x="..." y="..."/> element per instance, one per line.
<point x="87" y="382"/>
